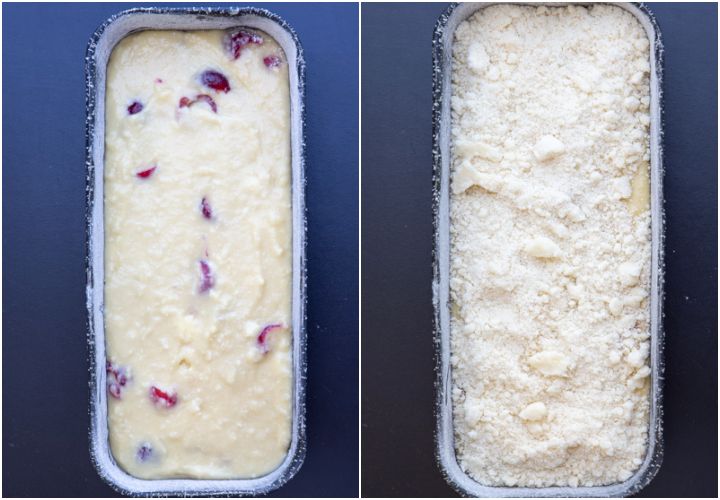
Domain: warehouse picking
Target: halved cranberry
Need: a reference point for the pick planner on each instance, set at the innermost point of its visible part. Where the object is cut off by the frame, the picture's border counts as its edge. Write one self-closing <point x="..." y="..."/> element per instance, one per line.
<point x="121" y="376"/>
<point x="237" y="41"/>
<point x="186" y="102"/>
<point x="207" y="280"/>
<point x="135" y="107"/>
<point x="272" y="61"/>
<point x="117" y="378"/>
<point x="115" y="390"/>
<point x="262" y="338"/>
<point x="207" y="99"/>
<point x="162" y="398"/>
<point x="144" y="174"/>
<point x="215" y="80"/>
<point x="205" y="208"/>
<point x="144" y="452"/>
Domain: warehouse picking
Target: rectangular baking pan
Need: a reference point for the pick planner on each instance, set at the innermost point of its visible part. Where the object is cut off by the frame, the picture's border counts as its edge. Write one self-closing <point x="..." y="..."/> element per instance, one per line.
<point x="444" y="433"/>
<point x="99" y="48"/>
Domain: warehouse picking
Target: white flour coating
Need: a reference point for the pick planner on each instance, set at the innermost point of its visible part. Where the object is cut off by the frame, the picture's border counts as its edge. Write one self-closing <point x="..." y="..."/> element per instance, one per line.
<point x="550" y="245"/>
<point x="190" y="285"/>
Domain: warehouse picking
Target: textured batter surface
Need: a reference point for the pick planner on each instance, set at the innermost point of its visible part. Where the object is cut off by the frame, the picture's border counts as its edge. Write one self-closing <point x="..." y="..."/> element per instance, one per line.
<point x="550" y="245"/>
<point x="198" y="254"/>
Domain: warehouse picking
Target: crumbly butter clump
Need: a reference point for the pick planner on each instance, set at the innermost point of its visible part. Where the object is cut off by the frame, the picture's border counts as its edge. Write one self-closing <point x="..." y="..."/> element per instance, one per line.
<point x="550" y="245"/>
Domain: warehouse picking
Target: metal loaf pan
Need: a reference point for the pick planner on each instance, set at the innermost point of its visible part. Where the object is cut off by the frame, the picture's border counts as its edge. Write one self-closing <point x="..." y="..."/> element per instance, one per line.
<point x="444" y="432"/>
<point x="99" y="48"/>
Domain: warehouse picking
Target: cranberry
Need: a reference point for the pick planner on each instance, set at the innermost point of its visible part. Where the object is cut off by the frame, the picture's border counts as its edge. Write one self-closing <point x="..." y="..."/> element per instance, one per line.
<point x="237" y="41"/>
<point x="215" y="80"/>
<point x="115" y="390"/>
<point x="144" y="452"/>
<point x="272" y="61"/>
<point x="135" y="107"/>
<point x="117" y="378"/>
<point x="207" y="99"/>
<point x="207" y="280"/>
<point x="162" y="398"/>
<point x="186" y="102"/>
<point x="262" y="338"/>
<point x="144" y="174"/>
<point x="121" y="376"/>
<point x="205" y="208"/>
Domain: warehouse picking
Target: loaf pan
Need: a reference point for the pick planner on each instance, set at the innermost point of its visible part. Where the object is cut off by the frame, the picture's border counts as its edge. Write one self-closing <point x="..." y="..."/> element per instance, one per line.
<point x="444" y="435"/>
<point x="99" y="49"/>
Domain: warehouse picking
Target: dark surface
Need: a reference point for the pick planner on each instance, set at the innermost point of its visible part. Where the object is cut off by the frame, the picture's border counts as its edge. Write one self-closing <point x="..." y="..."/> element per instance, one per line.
<point x="45" y="378"/>
<point x="397" y="349"/>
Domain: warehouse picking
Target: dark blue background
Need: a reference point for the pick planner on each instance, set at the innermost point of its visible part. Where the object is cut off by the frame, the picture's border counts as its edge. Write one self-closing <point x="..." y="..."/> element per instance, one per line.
<point x="397" y="349"/>
<point x="45" y="377"/>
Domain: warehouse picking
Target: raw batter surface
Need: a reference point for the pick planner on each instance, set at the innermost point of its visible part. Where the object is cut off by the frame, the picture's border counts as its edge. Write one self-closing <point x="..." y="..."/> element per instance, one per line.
<point x="550" y="245"/>
<point x="198" y="254"/>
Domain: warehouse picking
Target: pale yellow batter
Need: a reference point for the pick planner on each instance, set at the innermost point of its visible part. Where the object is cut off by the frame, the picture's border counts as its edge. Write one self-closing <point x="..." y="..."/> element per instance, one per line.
<point x="198" y="254"/>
